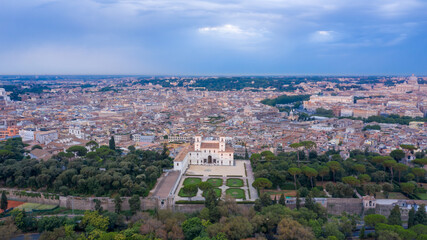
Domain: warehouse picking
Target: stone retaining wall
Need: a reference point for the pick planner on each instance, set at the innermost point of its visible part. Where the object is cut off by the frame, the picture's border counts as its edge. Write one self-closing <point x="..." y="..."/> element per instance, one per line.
<point x="333" y="205"/>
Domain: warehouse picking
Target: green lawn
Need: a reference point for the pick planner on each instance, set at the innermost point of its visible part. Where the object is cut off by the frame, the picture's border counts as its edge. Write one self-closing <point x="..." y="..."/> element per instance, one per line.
<point x="392" y="195"/>
<point x="234" y="182"/>
<point x="35" y="206"/>
<point x="236" y="193"/>
<point x="216" y="182"/>
<point x="192" y="180"/>
<point x="182" y="194"/>
<point x="423" y="196"/>
<point x="217" y="192"/>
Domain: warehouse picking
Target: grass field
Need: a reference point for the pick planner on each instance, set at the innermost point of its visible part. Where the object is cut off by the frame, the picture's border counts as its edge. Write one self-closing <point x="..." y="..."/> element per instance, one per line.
<point x="62" y="210"/>
<point x="392" y="195"/>
<point x="192" y="180"/>
<point x="216" y="182"/>
<point x="217" y="192"/>
<point x="422" y="196"/>
<point x="236" y="193"/>
<point x="182" y="194"/>
<point x="234" y="182"/>
<point x="35" y="206"/>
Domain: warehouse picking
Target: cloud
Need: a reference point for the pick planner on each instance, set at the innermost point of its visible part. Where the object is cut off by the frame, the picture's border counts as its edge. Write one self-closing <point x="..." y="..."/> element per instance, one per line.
<point x="397" y="40"/>
<point x="171" y="35"/>
<point x="397" y="8"/>
<point x="323" y="36"/>
<point x="230" y="31"/>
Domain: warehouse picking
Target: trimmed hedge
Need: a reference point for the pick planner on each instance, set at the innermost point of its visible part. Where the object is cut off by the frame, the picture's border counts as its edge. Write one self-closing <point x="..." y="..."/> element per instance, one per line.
<point x="245" y="202"/>
<point x="189" y="202"/>
<point x="249" y="191"/>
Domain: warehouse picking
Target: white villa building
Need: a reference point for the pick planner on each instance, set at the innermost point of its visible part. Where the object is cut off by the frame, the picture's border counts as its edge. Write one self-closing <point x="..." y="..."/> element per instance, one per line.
<point x="205" y="152"/>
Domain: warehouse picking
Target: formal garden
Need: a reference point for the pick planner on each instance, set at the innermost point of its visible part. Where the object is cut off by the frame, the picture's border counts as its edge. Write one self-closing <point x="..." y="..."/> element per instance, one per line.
<point x="217" y="191"/>
<point x="216" y="182"/>
<point x="191" y="186"/>
<point x="234" y="182"/>
<point x="237" y="193"/>
<point x="192" y="180"/>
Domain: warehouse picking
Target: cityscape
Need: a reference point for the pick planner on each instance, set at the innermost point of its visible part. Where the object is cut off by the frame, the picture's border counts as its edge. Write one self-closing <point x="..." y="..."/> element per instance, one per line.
<point x="213" y="120"/>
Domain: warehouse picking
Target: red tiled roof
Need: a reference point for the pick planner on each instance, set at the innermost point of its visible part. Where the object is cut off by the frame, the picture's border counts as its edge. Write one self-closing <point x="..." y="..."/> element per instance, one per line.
<point x="209" y="145"/>
<point x="181" y="155"/>
<point x="228" y="149"/>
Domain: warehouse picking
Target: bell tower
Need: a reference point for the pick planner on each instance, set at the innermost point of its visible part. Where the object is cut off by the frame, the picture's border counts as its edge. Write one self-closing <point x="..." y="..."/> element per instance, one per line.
<point x="197" y="143"/>
<point x="222" y="144"/>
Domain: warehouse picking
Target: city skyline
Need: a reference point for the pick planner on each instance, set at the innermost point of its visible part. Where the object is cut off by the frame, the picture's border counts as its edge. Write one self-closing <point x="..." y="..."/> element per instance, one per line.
<point x="213" y="37"/>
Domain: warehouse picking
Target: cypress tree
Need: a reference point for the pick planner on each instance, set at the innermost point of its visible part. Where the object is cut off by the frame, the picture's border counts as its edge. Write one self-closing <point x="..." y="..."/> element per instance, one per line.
<point x="362" y="233"/>
<point x="420" y="215"/>
<point x="211" y="200"/>
<point x="309" y="201"/>
<point x="117" y="204"/>
<point x="98" y="206"/>
<point x="265" y="200"/>
<point x="258" y="205"/>
<point x="3" y="204"/>
<point x="395" y="217"/>
<point x="165" y="152"/>
<point x="282" y="200"/>
<point x="275" y="199"/>
<point x="411" y="217"/>
<point x="112" y="143"/>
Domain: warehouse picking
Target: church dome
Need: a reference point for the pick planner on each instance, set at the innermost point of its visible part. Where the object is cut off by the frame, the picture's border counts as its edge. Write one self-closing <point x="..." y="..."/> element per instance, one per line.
<point x="413" y="79"/>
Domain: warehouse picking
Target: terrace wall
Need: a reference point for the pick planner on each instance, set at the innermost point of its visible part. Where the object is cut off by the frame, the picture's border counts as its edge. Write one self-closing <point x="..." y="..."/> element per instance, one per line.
<point x="82" y="203"/>
<point x="333" y="205"/>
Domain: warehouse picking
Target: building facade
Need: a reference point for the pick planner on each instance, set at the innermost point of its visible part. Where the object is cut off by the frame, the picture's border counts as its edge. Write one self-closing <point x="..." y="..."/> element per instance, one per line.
<point x="205" y="152"/>
<point x="45" y="137"/>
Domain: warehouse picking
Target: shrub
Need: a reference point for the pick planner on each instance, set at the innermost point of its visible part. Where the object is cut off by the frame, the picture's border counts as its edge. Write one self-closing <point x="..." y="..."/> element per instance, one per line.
<point x="288" y="186"/>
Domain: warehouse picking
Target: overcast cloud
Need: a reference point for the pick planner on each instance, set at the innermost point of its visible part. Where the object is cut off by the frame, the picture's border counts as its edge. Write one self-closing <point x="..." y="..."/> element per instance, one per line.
<point x="213" y="37"/>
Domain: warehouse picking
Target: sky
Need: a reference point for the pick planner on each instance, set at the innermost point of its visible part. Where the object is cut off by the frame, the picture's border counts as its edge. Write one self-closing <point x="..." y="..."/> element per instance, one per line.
<point x="222" y="37"/>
